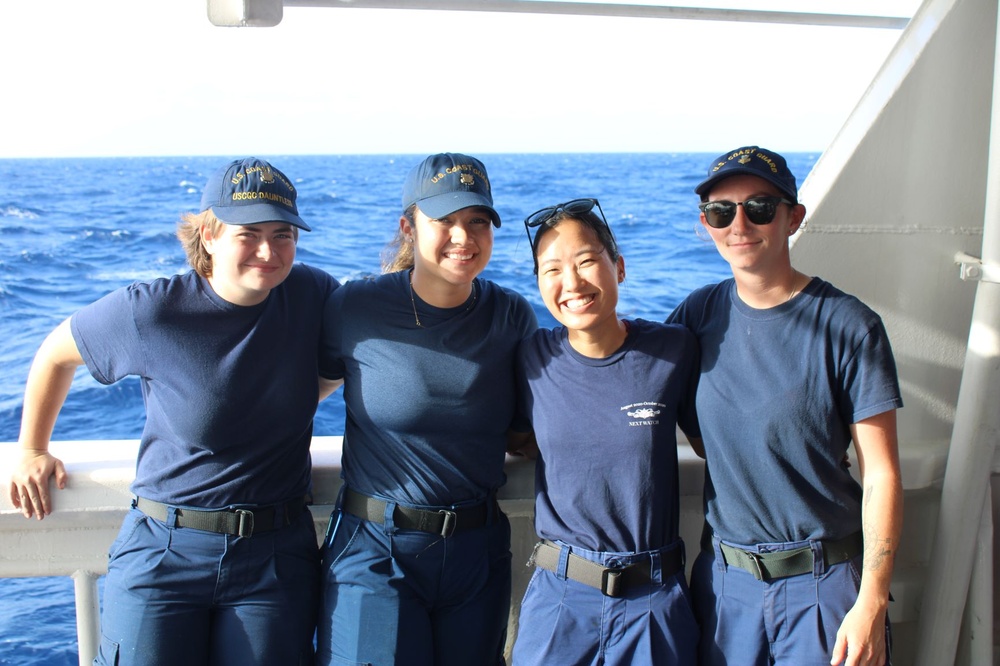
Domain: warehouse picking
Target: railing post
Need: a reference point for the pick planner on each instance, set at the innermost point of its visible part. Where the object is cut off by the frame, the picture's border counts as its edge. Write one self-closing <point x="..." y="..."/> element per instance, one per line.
<point x="88" y="615"/>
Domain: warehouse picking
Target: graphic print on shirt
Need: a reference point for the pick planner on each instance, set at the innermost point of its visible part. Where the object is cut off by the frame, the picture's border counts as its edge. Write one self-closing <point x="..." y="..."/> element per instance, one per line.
<point x="645" y="413"/>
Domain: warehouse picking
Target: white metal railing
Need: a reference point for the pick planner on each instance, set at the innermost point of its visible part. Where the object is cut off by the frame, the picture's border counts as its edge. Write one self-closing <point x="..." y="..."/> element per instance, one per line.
<point x="73" y="541"/>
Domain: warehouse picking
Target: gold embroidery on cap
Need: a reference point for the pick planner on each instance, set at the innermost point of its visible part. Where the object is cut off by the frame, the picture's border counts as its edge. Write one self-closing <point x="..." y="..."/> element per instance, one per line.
<point x="744" y="159"/>
<point x="467" y="179"/>
<point x="267" y="175"/>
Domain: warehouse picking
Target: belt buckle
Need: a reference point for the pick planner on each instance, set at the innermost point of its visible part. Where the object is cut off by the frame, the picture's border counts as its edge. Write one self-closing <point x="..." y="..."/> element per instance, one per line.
<point x="449" y="523"/>
<point x="245" y="527"/>
<point x="611" y="582"/>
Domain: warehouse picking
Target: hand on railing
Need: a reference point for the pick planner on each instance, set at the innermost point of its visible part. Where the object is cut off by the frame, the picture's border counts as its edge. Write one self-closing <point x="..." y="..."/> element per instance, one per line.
<point x="29" y="484"/>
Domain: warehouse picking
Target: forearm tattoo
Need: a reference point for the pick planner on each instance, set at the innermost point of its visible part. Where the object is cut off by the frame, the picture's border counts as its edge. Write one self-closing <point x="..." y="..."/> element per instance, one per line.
<point x="878" y="548"/>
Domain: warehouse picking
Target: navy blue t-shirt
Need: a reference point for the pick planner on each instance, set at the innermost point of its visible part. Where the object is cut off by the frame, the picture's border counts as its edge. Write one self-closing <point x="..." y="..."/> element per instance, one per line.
<point x="779" y="389"/>
<point x="428" y="407"/>
<point x="606" y="479"/>
<point x="230" y="391"/>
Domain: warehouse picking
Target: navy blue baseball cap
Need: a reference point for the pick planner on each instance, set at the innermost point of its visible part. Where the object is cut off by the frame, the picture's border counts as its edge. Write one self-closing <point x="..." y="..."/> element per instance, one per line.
<point x="251" y="191"/>
<point x="754" y="161"/>
<point x="447" y="182"/>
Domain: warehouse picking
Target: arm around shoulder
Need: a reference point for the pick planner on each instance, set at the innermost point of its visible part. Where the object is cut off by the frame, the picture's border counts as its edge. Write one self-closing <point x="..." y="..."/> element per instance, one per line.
<point x="522" y="444"/>
<point x="697" y="445"/>
<point x="328" y="386"/>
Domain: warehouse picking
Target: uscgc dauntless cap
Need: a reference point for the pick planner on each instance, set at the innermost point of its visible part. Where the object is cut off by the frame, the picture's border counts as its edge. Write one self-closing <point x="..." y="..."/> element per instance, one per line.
<point x="447" y="182"/>
<point x="251" y="191"/>
<point x="754" y="161"/>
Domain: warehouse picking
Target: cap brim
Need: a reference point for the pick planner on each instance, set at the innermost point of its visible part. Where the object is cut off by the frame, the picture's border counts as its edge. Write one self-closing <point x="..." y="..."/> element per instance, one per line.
<point x="443" y="205"/>
<point x="706" y="185"/>
<point x="258" y="213"/>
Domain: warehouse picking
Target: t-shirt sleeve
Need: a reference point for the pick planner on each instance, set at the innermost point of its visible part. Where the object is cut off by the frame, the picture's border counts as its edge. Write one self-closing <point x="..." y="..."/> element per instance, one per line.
<point x="522" y="406"/>
<point x="871" y="383"/>
<point x="687" y="414"/>
<point x="524" y="316"/>
<point x="679" y="315"/>
<point x="525" y="323"/>
<point x="107" y="336"/>
<point x="331" y="353"/>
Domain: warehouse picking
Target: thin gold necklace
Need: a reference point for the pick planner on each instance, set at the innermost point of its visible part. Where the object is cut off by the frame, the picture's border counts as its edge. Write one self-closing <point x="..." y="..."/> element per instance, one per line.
<point x="796" y="276"/>
<point x="413" y="302"/>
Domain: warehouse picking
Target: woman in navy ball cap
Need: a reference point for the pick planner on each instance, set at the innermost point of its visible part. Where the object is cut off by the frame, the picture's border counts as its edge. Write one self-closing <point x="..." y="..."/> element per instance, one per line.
<point x="797" y="556"/>
<point x="417" y="560"/>
<point x="217" y="561"/>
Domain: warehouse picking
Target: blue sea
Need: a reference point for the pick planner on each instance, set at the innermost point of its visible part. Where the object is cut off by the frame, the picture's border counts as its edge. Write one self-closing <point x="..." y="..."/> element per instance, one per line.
<point x="72" y="230"/>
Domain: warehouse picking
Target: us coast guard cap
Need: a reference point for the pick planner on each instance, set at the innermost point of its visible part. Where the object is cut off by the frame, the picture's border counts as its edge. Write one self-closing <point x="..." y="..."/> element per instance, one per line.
<point x="251" y="191"/>
<point x="447" y="182"/>
<point x="754" y="161"/>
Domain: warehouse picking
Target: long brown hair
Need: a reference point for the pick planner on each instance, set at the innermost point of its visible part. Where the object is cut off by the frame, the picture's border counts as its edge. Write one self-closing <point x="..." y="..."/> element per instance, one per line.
<point x="398" y="254"/>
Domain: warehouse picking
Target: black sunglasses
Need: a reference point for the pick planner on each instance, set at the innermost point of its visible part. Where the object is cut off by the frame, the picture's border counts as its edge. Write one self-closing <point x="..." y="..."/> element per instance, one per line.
<point x="574" y="207"/>
<point x="759" y="210"/>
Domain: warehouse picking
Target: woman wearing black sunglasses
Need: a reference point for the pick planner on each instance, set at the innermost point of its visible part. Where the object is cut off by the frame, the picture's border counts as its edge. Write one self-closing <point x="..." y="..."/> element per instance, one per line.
<point x="797" y="556"/>
<point x="604" y="395"/>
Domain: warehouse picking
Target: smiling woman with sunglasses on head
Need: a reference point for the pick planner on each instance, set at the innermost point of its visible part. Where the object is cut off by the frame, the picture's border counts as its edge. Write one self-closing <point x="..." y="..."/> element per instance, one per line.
<point x="604" y="396"/>
<point x="797" y="556"/>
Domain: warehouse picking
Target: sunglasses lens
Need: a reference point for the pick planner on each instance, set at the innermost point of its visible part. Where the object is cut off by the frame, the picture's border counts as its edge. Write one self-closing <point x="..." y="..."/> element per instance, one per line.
<point x="539" y="217"/>
<point x="579" y="206"/>
<point x="719" y="214"/>
<point x="761" y="210"/>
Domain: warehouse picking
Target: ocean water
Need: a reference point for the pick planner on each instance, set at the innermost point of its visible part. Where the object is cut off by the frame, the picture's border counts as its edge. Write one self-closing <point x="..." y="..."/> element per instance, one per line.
<point x="72" y="230"/>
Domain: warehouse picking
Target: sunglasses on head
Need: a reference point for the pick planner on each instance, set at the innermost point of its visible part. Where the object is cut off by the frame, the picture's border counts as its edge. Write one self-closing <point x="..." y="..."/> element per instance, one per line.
<point x="759" y="210"/>
<point x="574" y="207"/>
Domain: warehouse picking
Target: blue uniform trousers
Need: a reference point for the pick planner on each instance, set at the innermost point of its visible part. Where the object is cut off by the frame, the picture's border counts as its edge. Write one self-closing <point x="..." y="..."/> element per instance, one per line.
<point x="791" y="620"/>
<point x="564" y="621"/>
<point x="176" y="595"/>
<point x="401" y="596"/>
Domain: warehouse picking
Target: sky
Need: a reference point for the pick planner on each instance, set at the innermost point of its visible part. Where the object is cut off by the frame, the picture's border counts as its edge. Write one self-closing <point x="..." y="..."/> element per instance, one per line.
<point x="138" y="77"/>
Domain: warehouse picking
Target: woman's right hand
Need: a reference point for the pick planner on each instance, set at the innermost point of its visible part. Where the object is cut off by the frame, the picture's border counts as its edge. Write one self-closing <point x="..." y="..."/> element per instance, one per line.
<point x="29" y="484"/>
<point x="48" y="384"/>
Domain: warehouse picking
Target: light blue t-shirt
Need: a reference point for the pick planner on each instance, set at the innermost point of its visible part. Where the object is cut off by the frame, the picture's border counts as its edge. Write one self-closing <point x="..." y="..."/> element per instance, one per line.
<point x="606" y="479"/>
<point x="230" y="391"/>
<point x="428" y="408"/>
<point x="779" y="389"/>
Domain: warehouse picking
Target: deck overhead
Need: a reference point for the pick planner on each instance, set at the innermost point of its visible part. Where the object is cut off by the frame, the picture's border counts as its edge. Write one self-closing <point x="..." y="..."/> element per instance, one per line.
<point x="268" y="13"/>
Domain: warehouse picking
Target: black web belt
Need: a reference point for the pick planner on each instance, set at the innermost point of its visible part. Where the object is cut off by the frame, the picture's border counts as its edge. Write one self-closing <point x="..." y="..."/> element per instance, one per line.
<point x="236" y="522"/>
<point x="443" y="522"/>
<point x="782" y="564"/>
<point x="611" y="581"/>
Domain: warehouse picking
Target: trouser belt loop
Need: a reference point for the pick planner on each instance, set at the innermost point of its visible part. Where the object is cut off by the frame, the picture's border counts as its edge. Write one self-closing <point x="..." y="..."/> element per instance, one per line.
<point x="386" y="519"/>
<point x="711" y="544"/>
<point x="562" y="567"/>
<point x="171" y="520"/>
<point x="819" y="561"/>
<point x="655" y="572"/>
<point x="444" y="521"/>
<point x="612" y="582"/>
